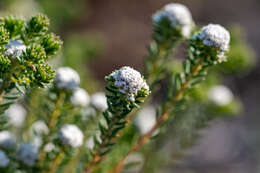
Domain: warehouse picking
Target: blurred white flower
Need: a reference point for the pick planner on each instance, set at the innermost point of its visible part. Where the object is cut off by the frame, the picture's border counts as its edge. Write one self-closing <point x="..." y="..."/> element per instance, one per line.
<point x="49" y="147"/>
<point x="27" y="153"/>
<point x="220" y="95"/>
<point x="16" y="115"/>
<point x="179" y="16"/>
<point x="146" y="119"/>
<point x="90" y="143"/>
<point x="80" y="97"/>
<point x="39" y="128"/>
<point x="4" y="160"/>
<point x="136" y="161"/>
<point x="129" y="81"/>
<point x="71" y="135"/>
<point x="66" y="78"/>
<point x="14" y="49"/>
<point x="99" y="101"/>
<point x="215" y="35"/>
<point x="7" y="140"/>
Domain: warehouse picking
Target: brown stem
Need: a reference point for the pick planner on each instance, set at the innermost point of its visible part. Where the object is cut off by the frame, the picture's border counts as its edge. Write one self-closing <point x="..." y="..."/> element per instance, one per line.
<point x="164" y="117"/>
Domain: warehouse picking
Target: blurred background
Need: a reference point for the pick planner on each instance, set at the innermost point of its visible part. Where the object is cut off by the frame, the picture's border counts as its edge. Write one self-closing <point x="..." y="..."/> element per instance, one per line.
<point x="102" y="35"/>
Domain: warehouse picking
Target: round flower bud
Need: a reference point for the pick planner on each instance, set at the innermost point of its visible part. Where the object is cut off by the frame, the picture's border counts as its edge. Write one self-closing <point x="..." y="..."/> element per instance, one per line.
<point x="4" y="160"/>
<point x="71" y="135"/>
<point x="129" y="82"/>
<point x="66" y="78"/>
<point x="39" y="128"/>
<point x="7" y="140"/>
<point x="220" y="95"/>
<point x="99" y="101"/>
<point x="27" y="153"/>
<point x="215" y="36"/>
<point x="16" y="115"/>
<point x="14" y="49"/>
<point x="146" y="119"/>
<point x="178" y="15"/>
<point x="80" y="98"/>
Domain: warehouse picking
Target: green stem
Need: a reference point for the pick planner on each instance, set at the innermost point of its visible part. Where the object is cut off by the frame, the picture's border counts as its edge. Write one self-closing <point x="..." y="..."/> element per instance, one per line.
<point x="97" y="155"/>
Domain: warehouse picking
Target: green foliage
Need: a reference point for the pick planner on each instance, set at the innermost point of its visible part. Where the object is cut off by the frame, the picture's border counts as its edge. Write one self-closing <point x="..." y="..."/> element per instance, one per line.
<point x="5" y="64"/>
<point x="38" y="25"/>
<point x="174" y="83"/>
<point x="4" y="35"/>
<point x="51" y="43"/>
<point x="14" y="26"/>
<point x="29" y="68"/>
<point x="241" y="56"/>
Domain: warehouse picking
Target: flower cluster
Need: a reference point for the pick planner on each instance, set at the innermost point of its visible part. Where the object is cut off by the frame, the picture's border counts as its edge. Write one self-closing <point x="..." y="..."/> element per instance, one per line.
<point x="27" y="153"/>
<point x="16" y="115"/>
<point x="71" y="135"/>
<point x="66" y="78"/>
<point x="215" y="37"/>
<point x="99" y="101"/>
<point x="14" y="49"/>
<point x="145" y="119"/>
<point x="220" y="95"/>
<point x="129" y="82"/>
<point x="25" y="49"/>
<point x="80" y="97"/>
<point x="179" y="17"/>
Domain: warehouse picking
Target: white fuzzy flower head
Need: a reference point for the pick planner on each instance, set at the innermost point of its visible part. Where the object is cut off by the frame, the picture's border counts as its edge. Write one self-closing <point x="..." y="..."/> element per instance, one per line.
<point x="39" y="128"/>
<point x="7" y="140"/>
<point x="71" y="135"/>
<point x="4" y="160"/>
<point x="27" y="153"/>
<point x="216" y="36"/>
<point x="179" y="16"/>
<point x="66" y="78"/>
<point x="99" y="101"/>
<point x="130" y="82"/>
<point x="16" y="115"/>
<point x="80" y="97"/>
<point x="220" y="95"/>
<point x="14" y="49"/>
<point x="146" y="119"/>
<point x="135" y="159"/>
